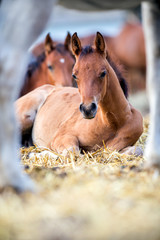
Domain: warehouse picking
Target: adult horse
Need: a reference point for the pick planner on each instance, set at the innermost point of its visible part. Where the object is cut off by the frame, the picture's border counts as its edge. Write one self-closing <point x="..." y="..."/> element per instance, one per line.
<point x="14" y="46"/>
<point x="52" y="66"/>
<point x="106" y="115"/>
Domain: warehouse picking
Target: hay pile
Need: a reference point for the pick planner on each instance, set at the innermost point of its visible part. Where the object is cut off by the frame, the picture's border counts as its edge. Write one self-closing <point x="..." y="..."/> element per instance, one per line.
<point x="103" y="195"/>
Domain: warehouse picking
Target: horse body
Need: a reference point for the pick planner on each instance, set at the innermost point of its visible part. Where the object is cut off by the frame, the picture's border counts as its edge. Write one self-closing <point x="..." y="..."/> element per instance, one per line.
<point x="104" y="115"/>
<point x="53" y="66"/>
<point x="59" y="125"/>
<point x="64" y="126"/>
<point x="129" y="48"/>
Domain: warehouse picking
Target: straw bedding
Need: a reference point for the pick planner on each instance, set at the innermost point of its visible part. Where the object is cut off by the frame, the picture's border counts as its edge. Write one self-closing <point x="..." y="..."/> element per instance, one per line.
<point x="101" y="195"/>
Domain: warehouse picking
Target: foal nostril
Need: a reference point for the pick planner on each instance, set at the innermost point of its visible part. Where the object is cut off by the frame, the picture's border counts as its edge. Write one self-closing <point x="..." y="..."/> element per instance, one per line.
<point x="81" y="107"/>
<point x="93" y="107"/>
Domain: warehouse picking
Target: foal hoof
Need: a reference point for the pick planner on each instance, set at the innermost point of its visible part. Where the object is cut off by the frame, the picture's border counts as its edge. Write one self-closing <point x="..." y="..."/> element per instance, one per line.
<point x="134" y="150"/>
<point x="43" y="154"/>
<point x="74" y="150"/>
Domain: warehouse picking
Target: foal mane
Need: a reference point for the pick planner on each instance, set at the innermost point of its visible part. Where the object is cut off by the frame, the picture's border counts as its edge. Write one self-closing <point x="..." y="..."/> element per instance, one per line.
<point x="114" y="65"/>
<point x="119" y="73"/>
<point x="30" y="70"/>
<point x="35" y="64"/>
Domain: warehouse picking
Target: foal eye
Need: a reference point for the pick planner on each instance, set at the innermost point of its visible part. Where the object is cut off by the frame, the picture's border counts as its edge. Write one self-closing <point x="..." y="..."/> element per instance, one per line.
<point x="74" y="76"/>
<point x="103" y="74"/>
<point x="50" y="67"/>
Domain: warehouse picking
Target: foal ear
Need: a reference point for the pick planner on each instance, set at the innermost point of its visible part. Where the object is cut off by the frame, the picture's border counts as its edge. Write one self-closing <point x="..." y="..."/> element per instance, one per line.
<point x="67" y="42"/>
<point x="49" y="44"/>
<point x="76" y="45"/>
<point x="100" y="43"/>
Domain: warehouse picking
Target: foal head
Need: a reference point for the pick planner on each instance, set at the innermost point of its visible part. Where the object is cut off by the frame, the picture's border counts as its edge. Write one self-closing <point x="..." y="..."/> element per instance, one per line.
<point x="91" y="71"/>
<point x="59" y="61"/>
<point x="53" y="66"/>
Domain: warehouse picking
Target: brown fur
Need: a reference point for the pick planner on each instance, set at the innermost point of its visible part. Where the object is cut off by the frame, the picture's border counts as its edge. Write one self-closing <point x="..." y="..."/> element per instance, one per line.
<point x="129" y="46"/>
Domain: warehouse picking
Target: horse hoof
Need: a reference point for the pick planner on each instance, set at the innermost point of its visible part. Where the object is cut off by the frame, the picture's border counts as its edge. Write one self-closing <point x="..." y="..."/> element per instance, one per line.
<point x="134" y="150"/>
<point x="43" y="154"/>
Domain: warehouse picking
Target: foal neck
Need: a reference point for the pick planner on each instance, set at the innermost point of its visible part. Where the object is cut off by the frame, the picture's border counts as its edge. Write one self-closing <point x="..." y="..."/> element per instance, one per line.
<point x="114" y="106"/>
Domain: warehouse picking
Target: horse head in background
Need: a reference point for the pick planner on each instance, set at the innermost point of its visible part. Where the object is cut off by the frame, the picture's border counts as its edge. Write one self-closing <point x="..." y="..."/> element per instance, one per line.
<point x="53" y="66"/>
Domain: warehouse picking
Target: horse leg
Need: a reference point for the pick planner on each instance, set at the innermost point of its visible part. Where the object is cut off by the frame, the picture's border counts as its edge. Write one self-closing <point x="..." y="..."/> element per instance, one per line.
<point x="22" y="17"/>
<point x="127" y="135"/>
<point x="151" y="22"/>
<point x="10" y="172"/>
<point x="65" y="143"/>
<point x="27" y="106"/>
<point x="26" y="109"/>
<point x="132" y="150"/>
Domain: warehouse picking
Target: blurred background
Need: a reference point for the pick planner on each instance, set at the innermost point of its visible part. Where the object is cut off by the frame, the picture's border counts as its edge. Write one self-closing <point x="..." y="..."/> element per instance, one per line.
<point x="124" y="36"/>
<point x="84" y="23"/>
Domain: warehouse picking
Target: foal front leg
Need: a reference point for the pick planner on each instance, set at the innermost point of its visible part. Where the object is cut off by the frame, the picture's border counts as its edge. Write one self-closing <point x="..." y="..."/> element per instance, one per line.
<point x="27" y="106"/>
<point x="65" y="143"/>
<point x="127" y="135"/>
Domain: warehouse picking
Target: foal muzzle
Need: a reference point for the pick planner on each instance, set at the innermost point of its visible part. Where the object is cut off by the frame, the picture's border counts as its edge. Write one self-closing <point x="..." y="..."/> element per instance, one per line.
<point x="88" y="111"/>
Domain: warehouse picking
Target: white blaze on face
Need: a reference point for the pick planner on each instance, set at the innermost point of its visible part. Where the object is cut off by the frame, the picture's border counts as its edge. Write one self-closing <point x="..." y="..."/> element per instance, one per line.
<point x="62" y="60"/>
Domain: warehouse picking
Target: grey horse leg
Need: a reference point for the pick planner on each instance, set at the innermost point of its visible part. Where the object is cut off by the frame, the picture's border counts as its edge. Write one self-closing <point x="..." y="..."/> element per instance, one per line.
<point x="20" y="23"/>
<point x="151" y="22"/>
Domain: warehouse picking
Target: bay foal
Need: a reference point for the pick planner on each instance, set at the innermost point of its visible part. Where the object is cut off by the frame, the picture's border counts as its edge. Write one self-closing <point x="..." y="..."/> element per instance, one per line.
<point x="52" y="66"/>
<point x="97" y="111"/>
